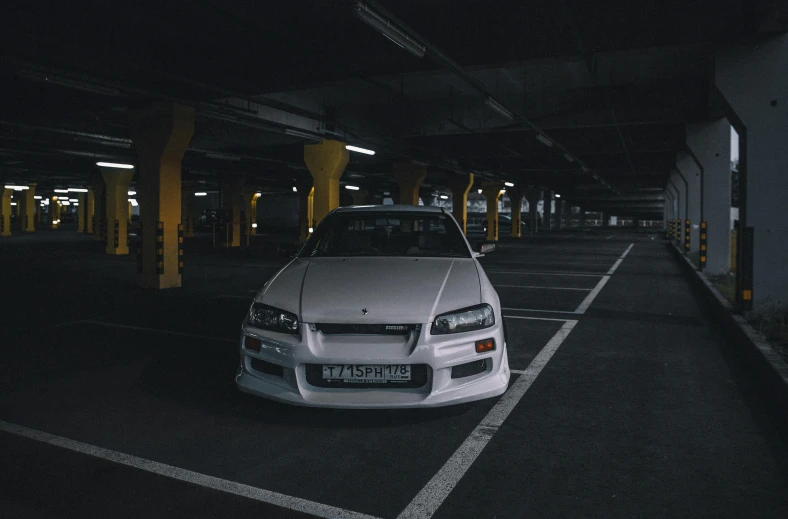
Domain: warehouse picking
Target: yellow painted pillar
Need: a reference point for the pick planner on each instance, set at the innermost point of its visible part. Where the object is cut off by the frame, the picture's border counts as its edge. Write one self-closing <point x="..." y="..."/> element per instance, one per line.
<point x="460" y="186"/>
<point x="54" y="213"/>
<point x="232" y="199"/>
<point x="326" y="162"/>
<point x="5" y="211"/>
<point x="99" y="212"/>
<point x="187" y="213"/>
<point x="28" y="212"/>
<point x="90" y="204"/>
<point x="117" y="201"/>
<point x="161" y="133"/>
<point x="409" y="177"/>
<point x="516" y="194"/>
<point x="305" y="197"/>
<point x="250" y="211"/>
<point x="492" y="191"/>
<point x="81" y="212"/>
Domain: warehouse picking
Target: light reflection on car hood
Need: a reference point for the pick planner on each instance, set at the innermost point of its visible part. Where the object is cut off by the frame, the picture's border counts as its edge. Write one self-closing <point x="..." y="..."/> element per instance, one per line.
<point x="401" y="290"/>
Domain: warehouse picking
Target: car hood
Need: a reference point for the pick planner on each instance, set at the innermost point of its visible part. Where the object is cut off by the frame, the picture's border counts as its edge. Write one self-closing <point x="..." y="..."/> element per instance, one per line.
<point x="391" y="290"/>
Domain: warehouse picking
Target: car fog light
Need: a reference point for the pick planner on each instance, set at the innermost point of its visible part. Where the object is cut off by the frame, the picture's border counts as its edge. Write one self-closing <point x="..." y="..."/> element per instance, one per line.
<point x="251" y="343"/>
<point x="485" y="345"/>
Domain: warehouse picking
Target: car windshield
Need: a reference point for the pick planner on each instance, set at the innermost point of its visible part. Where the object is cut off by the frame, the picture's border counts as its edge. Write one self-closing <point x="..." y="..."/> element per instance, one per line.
<point x="387" y="234"/>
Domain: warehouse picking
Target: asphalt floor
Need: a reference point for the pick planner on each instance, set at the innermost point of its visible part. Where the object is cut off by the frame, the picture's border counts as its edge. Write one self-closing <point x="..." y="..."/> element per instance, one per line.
<point x="625" y="399"/>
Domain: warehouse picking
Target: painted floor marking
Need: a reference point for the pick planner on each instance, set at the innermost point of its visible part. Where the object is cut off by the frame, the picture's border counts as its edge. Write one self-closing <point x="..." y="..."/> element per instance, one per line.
<point x="545" y="288"/>
<point x="143" y="329"/>
<point x="435" y="492"/>
<point x="188" y="476"/>
<point x="602" y="282"/>
<point x="536" y="318"/>
<point x="542" y="311"/>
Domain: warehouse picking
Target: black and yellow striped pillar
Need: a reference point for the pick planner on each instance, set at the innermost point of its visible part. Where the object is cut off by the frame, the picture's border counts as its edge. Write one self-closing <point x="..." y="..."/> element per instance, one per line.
<point x="180" y="248"/>
<point x="686" y="236"/>
<point x="702" y="245"/>
<point x="678" y="232"/>
<point x="159" y="248"/>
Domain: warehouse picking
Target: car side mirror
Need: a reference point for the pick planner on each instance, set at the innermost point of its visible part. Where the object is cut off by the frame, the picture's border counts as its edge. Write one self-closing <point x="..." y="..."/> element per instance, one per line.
<point x="486" y="248"/>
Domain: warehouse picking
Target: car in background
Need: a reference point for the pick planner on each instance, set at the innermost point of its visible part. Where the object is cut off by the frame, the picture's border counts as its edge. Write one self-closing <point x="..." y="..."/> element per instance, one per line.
<point x="383" y="307"/>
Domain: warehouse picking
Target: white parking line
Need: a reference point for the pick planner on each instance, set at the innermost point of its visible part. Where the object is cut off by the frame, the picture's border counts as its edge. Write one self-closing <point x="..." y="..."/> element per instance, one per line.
<point x="540" y="310"/>
<point x="188" y="476"/>
<point x="424" y="505"/>
<point x="143" y="329"/>
<point x="545" y="288"/>
<point x="590" y="297"/>
<point x="619" y="260"/>
<point x="535" y="318"/>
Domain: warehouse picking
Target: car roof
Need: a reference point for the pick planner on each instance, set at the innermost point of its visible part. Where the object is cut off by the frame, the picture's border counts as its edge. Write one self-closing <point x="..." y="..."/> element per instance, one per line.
<point x="389" y="209"/>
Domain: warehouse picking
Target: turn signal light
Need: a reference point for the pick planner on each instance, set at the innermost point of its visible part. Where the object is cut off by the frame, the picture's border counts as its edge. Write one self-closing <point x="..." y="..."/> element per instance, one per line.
<point x="252" y="344"/>
<point x="485" y="345"/>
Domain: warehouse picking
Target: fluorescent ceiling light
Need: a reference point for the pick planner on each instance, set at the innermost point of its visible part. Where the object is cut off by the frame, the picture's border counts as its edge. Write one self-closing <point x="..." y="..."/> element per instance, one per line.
<point x="359" y="150"/>
<point x="444" y="197"/>
<point x="75" y="203"/>
<point x="311" y="230"/>
<point x="77" y="190"/>
<point x="46" y="201"/>
<point x="568" y="157"/>
<point x="73" y="200"/>
<point x="37" y="197"/>
<point x="557" y="195"/>
<point x="114" y="165"/>
<point x="498" y="107"/>
<point x="133" y="202"/>
<point x="18" y="188"/>
<point x="388" y="29"/>
<point x="65" y="202"/>
<point x="479" y="191"/>
<point x="258" y="194"/>
<point x="254" y="225"/>
<point x="132" y="193"/>
<point x="223" y="156"/>
<point x="201" y="193"/>
<point x="544" y="140"/>
<point x="13" y="203"/>
<point x="508" y="184"/>
<point x="61" y="190"/>
<point x="295" y="189"/>
<point x="352" y="188"/>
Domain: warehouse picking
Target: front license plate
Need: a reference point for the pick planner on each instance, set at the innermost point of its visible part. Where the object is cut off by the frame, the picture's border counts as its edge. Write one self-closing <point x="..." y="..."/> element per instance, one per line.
<point x="364" y="373"/>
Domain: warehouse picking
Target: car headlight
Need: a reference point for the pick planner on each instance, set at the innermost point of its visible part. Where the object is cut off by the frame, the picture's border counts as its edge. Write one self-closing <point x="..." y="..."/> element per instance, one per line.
<point x="274" y="319"/>
<point x="464" y="320"/>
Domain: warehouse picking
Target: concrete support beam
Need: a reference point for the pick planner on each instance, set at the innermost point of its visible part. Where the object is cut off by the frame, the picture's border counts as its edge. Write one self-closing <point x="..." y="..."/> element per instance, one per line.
<point x="547" y="211"/>
<point x="516" y="194"/>
<point x="5" y="211"/>
<point x="409" y="178"/>
<point x="492" y="191"/>
<point x="460" y="186"/>
<point x="231" y="206"/>
<point x="161" y="133"/>
<point x="117" y="208"/>
<point x="532" y="194"/>
<point x="711" y="144"/>
<point x="54" y="213"/>
<point x="27" y="206"/>
<point x="326" y="162"/>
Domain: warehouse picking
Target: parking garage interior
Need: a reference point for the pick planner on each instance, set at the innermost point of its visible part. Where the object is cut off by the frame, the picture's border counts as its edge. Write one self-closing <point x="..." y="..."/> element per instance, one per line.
<point x="160" y="162"/>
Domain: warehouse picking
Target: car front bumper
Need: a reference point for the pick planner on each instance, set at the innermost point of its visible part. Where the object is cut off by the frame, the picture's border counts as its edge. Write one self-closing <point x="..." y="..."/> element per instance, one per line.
<point x="438" y="352"/>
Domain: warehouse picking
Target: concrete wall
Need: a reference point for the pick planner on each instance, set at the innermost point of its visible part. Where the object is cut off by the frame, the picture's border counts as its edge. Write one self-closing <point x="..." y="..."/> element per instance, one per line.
<point x="691" y="172"/>
<point x="754" y="81"/>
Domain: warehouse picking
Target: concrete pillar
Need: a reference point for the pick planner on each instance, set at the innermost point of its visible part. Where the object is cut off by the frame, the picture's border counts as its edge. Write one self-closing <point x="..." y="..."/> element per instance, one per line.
<point x="547" y="210"/>
<point x="305" y="197"/>
<point x="54" y="213"/>
<point x="559" y="214"/>
<point x="81" y="213"/>
<point x="690" y="171"/>
<point x="231" y="207"/>
<point x="711" y="144"/>
<point x="161" y="133"/>
<point x="5" y="211"/>
<point x="99" y="212"/>
<point x="682" y="203"/>
<point x="28" y="208"/>
<point x="460" y="186"/>
<point x="516" y="194"/>
<point x="90" y="206"/>
<point x="409" y="177"/>
<point x="492" y="191"/>
<point x="326" y="162"/>
<point x="188" y="216"/>
<point x="250" y="211"/>
<point x="532" y="194"/>
<point x="117" y="208"/>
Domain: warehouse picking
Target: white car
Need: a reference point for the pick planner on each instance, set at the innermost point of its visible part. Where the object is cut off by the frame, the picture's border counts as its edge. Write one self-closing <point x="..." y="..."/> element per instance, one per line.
<point x="384" y="307"/>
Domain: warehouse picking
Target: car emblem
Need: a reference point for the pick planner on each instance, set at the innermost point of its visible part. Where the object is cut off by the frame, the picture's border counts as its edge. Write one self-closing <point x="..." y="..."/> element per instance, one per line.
<point x="364" y="310"/>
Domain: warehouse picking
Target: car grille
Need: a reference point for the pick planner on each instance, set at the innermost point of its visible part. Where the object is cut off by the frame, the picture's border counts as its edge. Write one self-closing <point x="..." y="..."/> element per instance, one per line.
<point x="419" y="376"/>
<point x="364" y="329"/>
